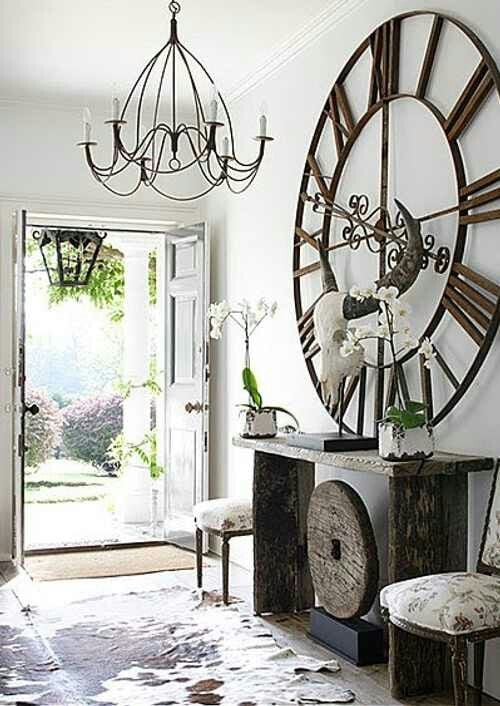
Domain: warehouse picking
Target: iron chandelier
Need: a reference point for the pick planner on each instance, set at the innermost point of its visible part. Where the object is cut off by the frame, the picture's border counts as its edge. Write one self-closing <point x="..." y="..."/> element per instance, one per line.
<point x="164" y="145"/>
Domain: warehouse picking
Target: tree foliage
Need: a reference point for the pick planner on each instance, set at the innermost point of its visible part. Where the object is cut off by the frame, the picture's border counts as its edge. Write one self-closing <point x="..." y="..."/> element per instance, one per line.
<point x="90" y="425"/>
<point x="106" y="287"/>
<point x="43" y="430"/>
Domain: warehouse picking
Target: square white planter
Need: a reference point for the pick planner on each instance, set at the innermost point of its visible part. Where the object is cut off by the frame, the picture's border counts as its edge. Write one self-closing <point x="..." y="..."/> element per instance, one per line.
<point x="397" y="444"/>
<point x="257" y="424"/>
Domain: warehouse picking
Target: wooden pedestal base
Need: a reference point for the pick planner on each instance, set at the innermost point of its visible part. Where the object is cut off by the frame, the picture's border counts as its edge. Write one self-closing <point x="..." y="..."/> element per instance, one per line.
<point x="356" y="640"/>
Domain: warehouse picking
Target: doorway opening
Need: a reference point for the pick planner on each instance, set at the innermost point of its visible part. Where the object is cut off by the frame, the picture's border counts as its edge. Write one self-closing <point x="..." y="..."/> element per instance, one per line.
<point x="102" y="466"/>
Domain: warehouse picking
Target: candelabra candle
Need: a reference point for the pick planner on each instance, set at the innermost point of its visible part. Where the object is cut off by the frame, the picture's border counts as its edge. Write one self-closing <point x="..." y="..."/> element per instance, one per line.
<point x="115" y="112"/>
<point x="164" y="140"/>
<point x="87" y="125"/>
<point x="263" y="126"/>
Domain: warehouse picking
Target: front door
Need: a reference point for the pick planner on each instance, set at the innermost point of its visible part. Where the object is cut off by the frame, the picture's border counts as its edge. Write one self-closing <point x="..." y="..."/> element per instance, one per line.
<point x="186" y="380"/>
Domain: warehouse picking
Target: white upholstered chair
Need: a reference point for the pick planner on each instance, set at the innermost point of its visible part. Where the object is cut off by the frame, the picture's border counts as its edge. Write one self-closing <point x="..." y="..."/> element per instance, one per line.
<point x="456" y="608"/>
<point x="225" y="518"/>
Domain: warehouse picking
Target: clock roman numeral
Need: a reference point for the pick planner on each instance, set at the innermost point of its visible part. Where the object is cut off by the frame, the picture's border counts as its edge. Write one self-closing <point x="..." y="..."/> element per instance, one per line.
<point x="305" y="237"/>
<point x="385" y="48"/>
<point x="430" y="55"/>
<point x="469" y="101"/>
<point x="397" y="377"/>
<point x="467" y="304"/>
<point x="469" y="199"/>
<point x="316" y="172"/>
<point x="426" y="385"/>
<point x="340" y="113"/>
<point x="446" y="369"/>
<point x="307" y="334"/>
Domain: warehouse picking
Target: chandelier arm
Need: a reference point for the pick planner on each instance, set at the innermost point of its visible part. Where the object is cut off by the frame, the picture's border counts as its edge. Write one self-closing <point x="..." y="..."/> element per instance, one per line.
<point x="247" y="186"/>
<point x="107" y="172"/>
<point x="141" y="149"/>
<point x="185" y="198"/>
<point x="188" y="165"/>
<point x="158" y="99"/>
<point x="221" y="98"/>
<point x="207" y="175"/>
<point x="248" y="168"/>
<point x="196" y="96"/>
<point x="114" y="191"/>
<point x="256" y="161"/>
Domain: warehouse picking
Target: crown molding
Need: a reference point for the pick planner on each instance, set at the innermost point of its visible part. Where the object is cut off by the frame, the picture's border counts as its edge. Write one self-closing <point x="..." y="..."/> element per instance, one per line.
<point x="150" y="211"/>
<point x="294" y="45"/>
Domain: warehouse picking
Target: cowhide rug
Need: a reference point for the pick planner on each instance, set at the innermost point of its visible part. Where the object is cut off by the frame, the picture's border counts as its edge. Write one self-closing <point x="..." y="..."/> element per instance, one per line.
<point x="159" y="648"/>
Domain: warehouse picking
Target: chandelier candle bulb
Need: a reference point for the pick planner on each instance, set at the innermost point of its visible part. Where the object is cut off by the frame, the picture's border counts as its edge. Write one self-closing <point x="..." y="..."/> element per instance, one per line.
<point x="87" y="125"/>
<point x="115" y="111"/>
<point x="212" y="111"/>
<point x="225" y="147"/>
<point x="263" y="126"/>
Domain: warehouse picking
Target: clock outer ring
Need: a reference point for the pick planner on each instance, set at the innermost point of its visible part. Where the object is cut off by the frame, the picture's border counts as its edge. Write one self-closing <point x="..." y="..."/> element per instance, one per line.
<point x="461" y="181"/>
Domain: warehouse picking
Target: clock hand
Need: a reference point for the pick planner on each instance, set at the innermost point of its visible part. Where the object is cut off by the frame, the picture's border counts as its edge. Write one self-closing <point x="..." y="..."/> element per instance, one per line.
<point x="438" y="214"/>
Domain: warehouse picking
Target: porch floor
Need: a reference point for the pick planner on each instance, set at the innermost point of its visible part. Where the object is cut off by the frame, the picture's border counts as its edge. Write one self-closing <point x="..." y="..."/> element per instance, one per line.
<point x="76" y="524"/>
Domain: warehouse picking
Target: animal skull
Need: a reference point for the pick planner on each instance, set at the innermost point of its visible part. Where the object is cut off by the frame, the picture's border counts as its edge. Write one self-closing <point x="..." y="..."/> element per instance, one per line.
<point x="331" y="330"/>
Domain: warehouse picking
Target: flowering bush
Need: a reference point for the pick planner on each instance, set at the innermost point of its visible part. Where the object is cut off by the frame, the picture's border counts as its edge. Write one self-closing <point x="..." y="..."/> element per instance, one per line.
<point x="90" y="425"/>
<point x="392" y="327"/>
<point x="43" y="430"/>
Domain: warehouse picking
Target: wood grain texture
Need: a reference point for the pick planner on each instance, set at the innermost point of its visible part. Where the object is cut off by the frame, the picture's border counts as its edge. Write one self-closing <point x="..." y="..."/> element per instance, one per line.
<point x="282" y="581"/>
<point x="369" y="461"/>
<point x="427" y="535"/>
<point x="342" y="550"/>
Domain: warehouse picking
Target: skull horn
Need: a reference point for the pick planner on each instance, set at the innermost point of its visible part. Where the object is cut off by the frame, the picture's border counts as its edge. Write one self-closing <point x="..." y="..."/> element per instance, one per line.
<point x="402" y="276"/>
<point x="327" y="277"/>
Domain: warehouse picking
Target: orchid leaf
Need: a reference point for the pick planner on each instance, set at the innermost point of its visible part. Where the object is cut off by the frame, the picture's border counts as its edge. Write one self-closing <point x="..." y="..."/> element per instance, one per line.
<point x="250" y="385"/>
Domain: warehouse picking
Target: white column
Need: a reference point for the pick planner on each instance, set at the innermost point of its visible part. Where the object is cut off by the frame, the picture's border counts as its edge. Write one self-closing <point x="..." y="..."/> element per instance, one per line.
<point x="136" y="481"/>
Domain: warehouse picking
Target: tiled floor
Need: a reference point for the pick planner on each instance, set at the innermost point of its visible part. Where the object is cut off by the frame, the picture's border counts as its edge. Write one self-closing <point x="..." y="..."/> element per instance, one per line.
<point x="370" y="684"/>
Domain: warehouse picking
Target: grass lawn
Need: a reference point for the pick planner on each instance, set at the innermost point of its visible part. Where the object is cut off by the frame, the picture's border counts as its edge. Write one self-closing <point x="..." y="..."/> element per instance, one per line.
<point x="65" y="480"/>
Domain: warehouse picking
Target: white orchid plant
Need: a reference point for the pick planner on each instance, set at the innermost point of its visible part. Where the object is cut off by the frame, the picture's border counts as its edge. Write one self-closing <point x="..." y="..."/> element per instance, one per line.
<point x="248" y="318"/>
<point x="392" y="327"/>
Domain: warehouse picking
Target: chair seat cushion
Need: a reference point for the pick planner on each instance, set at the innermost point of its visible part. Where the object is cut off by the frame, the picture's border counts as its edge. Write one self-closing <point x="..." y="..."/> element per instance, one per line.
<point x="454" y="603"/>
<point x="224" y="515"/>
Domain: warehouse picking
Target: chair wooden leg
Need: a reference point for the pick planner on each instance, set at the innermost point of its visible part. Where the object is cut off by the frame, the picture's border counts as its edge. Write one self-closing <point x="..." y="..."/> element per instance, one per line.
<point x="199" y="557"/>
<point x="479" y="650"/>
<point x="225" y="570"/>
<point x="459" y="670"/>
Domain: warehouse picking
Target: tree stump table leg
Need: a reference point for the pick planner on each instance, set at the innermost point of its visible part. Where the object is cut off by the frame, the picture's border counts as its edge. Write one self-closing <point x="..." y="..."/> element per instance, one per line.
<point x="427" y="535"/>
<point x="281" y="493"/>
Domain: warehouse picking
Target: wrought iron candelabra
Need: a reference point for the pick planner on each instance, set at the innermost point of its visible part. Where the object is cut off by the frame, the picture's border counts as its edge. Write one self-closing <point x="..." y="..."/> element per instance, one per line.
<point x="164" y="145"/>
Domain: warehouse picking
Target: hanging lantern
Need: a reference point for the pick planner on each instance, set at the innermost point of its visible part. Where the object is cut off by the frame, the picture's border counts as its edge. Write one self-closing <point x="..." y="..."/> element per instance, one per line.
<point x="69" y="256"/>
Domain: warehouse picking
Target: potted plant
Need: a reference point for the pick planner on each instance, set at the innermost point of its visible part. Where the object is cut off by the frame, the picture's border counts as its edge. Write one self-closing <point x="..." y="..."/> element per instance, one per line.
<point x="257" y="420"/>
<point x="404" y="433"/>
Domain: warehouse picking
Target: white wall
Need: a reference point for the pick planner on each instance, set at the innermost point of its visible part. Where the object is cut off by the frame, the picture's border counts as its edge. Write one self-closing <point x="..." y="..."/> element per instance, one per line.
<point x="42" y="170"/>
<point x="252" y="257"/>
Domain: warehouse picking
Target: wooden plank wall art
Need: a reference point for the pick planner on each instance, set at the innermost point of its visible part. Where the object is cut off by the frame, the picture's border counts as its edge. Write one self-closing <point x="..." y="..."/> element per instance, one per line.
<point x="441" y="259"/>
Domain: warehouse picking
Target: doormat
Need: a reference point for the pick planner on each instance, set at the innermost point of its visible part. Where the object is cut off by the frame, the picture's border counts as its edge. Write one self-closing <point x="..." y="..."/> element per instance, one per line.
<point x="108" y="562"/>
<point x="172" y="646"/>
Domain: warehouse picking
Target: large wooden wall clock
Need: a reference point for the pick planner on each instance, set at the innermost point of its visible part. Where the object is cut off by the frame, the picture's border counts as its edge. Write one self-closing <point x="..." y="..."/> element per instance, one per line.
<point x="440" y="67"/>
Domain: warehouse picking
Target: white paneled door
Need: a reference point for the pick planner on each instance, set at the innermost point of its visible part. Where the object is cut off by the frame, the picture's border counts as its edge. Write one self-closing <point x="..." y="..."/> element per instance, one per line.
<point x="186" y="384"/>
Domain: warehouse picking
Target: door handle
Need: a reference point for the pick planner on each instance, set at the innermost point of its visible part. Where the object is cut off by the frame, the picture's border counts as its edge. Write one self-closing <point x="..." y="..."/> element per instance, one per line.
<point x="196" y="407"/>
<point x="32" y="409"/>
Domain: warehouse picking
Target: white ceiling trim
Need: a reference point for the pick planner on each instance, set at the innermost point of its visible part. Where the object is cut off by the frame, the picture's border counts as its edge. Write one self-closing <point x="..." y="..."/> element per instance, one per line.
<point x="294" y="45"/>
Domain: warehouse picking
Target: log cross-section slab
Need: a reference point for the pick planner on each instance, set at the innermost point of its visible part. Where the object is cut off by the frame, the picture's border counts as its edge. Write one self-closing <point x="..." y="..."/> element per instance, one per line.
<point x="282" y="489"/>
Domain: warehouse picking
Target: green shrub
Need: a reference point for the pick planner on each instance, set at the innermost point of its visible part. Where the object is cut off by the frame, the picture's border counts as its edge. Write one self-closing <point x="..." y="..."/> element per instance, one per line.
<point x="90" y="425"/>
<point x="43" y="430"/>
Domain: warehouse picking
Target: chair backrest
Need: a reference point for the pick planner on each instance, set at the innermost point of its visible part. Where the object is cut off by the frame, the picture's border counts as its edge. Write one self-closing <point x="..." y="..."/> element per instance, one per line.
<point x="489" y="556"/>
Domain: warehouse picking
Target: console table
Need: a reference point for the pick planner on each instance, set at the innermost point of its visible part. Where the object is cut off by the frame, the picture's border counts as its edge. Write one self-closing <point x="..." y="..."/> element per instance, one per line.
<point x="427" y="520"/>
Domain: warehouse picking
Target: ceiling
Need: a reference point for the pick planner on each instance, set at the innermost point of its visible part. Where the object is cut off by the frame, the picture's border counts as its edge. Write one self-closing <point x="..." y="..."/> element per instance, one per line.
<point x="76" y="52"/>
